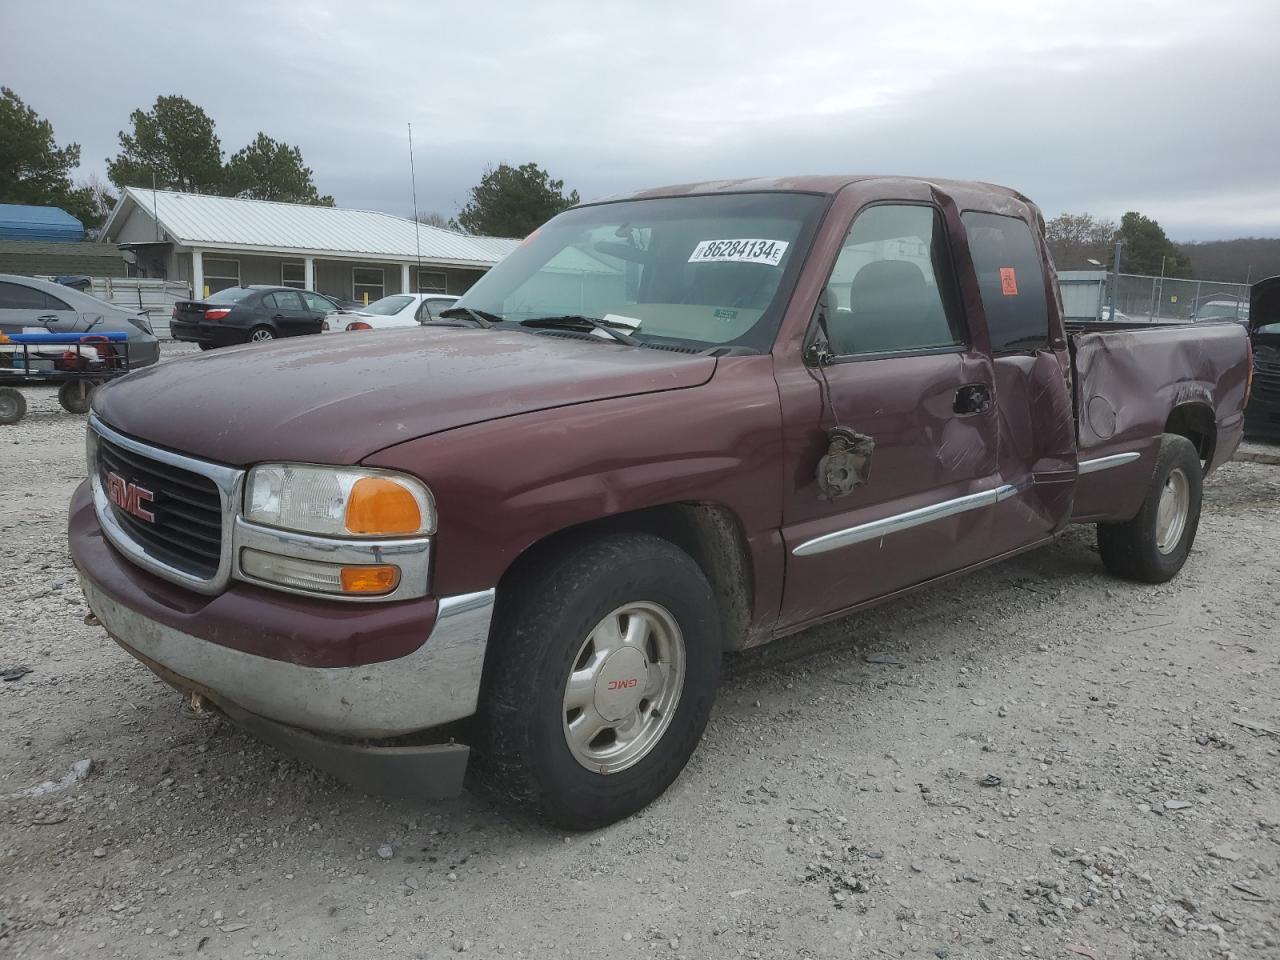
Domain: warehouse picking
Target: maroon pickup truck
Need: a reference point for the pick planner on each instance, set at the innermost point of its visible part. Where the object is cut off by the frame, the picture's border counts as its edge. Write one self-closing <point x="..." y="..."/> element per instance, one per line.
<point x="680" y="423"/>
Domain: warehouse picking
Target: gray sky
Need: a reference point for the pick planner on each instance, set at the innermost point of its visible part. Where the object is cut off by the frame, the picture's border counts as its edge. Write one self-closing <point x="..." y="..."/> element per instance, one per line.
<point x="1167" y="107"/>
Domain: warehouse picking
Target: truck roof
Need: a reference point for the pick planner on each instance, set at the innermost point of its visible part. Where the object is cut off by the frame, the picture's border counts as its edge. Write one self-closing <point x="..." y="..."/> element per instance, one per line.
<point x="820" y="184"/>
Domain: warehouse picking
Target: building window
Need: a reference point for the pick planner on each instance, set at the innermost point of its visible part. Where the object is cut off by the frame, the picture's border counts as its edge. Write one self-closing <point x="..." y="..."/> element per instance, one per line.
<point x="220" y="274"/>
<point x="432" y="281"/>
<point x="366" y="284"/>
<point x="293" y="275"/>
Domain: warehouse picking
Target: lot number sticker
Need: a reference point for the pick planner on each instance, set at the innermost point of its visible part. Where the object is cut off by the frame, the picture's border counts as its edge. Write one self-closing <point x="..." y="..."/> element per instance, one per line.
<point x="739" y="251"/>
<point x="1008" y="282"/>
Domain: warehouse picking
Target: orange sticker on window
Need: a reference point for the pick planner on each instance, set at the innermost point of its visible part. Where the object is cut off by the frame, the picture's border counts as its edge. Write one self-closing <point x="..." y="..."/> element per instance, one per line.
<point x="1008" y="282"/>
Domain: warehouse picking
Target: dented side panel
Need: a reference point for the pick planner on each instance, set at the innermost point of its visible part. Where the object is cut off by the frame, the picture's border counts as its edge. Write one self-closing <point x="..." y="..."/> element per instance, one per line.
<point x="1130" y="382"/>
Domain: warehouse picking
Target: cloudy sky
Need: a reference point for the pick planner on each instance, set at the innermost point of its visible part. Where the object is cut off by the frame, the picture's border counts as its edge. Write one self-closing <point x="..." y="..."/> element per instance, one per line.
<point x="1166" y="107"/>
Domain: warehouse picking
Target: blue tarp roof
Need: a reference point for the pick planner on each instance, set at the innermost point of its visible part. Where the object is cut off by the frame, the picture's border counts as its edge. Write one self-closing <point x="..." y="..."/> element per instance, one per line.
<point x="18" y="221"/>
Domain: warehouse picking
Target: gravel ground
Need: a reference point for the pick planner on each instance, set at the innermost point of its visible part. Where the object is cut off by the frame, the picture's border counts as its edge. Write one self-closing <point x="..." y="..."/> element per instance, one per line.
<point x="1036" y="760"/>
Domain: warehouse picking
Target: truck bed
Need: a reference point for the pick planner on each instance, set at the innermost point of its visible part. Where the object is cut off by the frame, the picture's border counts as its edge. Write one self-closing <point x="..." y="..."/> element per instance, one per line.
<point x="1133" y="381"/>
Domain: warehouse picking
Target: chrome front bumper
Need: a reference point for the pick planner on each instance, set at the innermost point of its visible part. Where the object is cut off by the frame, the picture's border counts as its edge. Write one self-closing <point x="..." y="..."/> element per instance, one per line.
<point x="436" y="684"/>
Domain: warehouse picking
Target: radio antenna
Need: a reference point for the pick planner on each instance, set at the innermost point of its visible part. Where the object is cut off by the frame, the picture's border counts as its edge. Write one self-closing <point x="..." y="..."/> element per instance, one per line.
<point x="417" y="224"/>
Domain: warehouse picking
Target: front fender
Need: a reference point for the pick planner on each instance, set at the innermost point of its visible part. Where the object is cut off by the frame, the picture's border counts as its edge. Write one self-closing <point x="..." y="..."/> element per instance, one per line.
<point x="504" y="485"/>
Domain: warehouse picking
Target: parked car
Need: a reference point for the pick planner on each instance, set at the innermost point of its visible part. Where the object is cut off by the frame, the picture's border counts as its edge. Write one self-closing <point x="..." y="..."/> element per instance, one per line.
<point x="1229" y="309"/>
<point x="1262" y="417"/>
<point x="249" y="315"/>
<point x="396" y="310"/>
<point x="31" y="305"/>
<point x="693" y="420"/>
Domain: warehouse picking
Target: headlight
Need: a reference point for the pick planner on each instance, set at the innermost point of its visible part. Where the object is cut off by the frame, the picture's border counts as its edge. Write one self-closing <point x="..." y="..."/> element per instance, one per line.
<point x="338" y="501"/>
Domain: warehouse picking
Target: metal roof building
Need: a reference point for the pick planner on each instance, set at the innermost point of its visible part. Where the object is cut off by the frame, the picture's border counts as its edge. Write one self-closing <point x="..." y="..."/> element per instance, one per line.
<point x="216" y="242"/>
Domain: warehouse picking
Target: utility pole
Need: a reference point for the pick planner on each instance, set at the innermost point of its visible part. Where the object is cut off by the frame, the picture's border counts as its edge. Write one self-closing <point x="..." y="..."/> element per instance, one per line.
<point x="1115" y="279"/>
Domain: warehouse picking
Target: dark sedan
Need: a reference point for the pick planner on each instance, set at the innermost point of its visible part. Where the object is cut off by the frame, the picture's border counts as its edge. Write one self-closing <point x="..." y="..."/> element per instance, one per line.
<point x="249" y="315"/>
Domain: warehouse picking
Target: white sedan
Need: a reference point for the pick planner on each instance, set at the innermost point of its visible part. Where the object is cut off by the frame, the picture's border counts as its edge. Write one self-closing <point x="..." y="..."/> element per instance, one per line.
<point x="389" y="313"/>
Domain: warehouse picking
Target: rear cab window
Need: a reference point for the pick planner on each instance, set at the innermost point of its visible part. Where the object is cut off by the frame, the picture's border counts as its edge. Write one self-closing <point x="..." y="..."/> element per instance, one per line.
<point x="1010" y="279"/>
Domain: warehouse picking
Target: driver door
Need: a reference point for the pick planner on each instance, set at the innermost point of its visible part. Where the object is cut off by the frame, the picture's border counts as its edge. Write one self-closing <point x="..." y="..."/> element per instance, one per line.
<point x="905" y="373"/>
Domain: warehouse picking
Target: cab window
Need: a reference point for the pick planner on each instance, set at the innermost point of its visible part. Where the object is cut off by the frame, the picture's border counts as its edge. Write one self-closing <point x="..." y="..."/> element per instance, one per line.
<point x="1011" y="280"/>
<point x="892" y="289"/>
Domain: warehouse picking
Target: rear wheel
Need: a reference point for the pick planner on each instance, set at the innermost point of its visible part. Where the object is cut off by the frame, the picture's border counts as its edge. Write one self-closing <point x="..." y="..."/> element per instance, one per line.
<point x="261" y="334"/>
<point x="206" y="346"/>
<point x="75" y="395"/>
<point x="13" y="405"/>
<point x="604" y="667"/>
<point x="1153" y="546"/>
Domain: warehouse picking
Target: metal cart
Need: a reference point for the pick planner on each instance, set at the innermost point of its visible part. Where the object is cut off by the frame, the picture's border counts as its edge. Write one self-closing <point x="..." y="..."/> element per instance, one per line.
<point x="77" y="362"/>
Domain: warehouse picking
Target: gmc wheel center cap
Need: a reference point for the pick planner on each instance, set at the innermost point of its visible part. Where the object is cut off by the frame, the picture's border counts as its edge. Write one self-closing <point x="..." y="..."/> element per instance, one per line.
<point x="620" y="683"/>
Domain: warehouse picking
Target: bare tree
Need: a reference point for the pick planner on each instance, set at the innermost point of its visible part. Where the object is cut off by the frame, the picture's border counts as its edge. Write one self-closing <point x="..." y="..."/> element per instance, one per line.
<point x="434" y="219"/>
<point x="1076" y="238"/>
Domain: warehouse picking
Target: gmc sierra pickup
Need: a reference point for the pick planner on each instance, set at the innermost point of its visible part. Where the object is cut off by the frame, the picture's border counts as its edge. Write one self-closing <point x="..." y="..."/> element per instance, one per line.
<point x="685" y="422"/>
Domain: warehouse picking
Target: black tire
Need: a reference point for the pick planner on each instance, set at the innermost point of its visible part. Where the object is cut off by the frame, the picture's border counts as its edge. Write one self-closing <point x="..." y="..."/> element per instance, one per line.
<point x="75" y="395"/>
<point x="206" y="346"/>
<point x="260" y="335"/>
<point x="539" y="633"/>
<point x="13" y="405"/>
<point x="1133" y="550"/>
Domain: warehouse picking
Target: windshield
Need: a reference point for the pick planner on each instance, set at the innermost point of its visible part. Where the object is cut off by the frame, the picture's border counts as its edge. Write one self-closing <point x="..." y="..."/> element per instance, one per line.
<point x="706" y="271"/>
<point x="229" y="295"/>
<point x="387" y="306"/>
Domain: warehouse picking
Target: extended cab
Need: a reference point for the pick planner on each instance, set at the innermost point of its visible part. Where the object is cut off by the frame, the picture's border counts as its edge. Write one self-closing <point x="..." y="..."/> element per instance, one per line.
<point x="685" y="422"/>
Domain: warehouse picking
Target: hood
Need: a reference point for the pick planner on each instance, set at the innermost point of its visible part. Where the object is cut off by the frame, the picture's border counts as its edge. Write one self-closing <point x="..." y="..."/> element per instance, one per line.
<point x="339" y="399"/>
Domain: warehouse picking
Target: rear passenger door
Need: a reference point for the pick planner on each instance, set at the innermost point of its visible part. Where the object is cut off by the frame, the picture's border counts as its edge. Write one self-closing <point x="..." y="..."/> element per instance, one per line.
<point x="23" y="307"/>
<point x="1037" y="444"/>
<point x="906" y="374"/>
<point x="290" y="314"/>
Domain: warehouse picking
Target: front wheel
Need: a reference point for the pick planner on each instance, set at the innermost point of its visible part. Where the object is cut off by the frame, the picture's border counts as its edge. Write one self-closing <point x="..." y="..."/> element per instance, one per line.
<point x="1153" y="546"/>
<point x="604" y="667"/>
<point x="261" y="334"/>
<point x="206" y="346"/>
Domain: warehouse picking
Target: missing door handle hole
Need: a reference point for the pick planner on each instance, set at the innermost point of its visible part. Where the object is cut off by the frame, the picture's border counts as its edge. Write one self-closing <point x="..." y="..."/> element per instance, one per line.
<point x="846" y="464"/>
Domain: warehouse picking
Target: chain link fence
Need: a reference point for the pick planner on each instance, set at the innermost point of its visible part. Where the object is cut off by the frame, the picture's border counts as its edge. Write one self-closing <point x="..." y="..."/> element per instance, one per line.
<point x="1165" y="300"/>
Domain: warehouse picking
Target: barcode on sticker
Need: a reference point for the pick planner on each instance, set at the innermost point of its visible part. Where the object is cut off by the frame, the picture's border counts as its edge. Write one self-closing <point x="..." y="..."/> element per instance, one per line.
<point x="739" y="251"/>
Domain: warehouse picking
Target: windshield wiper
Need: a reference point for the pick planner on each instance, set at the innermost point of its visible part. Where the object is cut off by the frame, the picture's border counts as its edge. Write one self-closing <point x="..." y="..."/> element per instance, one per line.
<point x="575" y="321"/>
<point x="481" y="318"/>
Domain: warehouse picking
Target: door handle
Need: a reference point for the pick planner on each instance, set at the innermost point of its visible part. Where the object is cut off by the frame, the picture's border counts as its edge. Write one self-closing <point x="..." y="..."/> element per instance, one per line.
<point x="972" y="398"/>
<point x="278" y="316"/>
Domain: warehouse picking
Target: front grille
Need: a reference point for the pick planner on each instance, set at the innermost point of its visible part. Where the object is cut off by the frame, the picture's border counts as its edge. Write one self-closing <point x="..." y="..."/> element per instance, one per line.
<point x="1266" y="381"/>
<point x="187" y="530"/>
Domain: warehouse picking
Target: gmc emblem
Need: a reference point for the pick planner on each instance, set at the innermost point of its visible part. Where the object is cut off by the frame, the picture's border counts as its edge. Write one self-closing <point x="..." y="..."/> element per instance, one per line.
<point x="129" y="497"/>
<point x="623" y="684"/>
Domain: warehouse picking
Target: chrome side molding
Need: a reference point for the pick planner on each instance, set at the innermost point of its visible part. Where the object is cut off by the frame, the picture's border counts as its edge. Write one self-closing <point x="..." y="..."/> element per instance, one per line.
<point x="1105" y="463"/>
<point x="876" y="529"/>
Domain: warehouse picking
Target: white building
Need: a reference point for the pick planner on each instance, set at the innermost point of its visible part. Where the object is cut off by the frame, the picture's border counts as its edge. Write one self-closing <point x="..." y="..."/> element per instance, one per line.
<point x="213" y="242"/>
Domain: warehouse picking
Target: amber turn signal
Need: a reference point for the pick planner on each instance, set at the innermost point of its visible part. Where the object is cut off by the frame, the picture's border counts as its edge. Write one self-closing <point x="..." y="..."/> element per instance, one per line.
<point x="380" y="507"/>
<point x="370" y="580"/>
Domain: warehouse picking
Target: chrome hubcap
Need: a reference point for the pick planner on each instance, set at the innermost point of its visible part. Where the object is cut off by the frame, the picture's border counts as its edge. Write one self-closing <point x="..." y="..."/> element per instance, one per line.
<point x="623" y="688"/>
<point x="1171" y="512"/>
